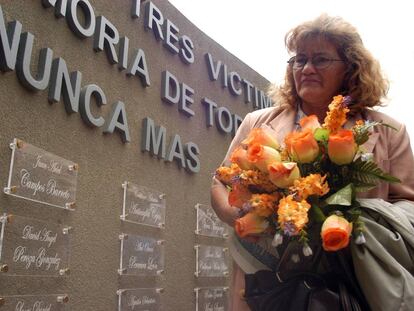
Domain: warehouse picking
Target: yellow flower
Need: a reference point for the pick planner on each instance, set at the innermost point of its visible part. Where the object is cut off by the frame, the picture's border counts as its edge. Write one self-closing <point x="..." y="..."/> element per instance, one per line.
<point x="257" y="180"/>
<point x="264" y="204"/>
<point x="313" y="184"/>
<point x="226" y="174"/>
<point x="336" y="116"/>
<point x="292" y="215"/>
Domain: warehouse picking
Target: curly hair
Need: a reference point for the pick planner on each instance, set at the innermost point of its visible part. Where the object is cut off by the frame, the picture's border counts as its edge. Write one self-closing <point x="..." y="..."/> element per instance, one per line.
<point x="363" y="80"/>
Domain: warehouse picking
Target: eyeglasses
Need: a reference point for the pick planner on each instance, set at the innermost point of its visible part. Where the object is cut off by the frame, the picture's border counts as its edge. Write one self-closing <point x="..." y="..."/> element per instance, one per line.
<point x="318" y="61"/>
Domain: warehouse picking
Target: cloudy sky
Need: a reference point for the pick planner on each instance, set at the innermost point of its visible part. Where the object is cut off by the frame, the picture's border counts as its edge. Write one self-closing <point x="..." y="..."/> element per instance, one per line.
<point x="254" y="32"/>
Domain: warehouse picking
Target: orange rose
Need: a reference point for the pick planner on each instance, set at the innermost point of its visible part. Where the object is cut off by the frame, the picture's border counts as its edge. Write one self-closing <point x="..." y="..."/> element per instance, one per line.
<point x="310" y="122"/>
<point x="239" y="195"/>
<point x="250" y="224"/>
<point x="263" y="136"/>
<point x="239" y="156"/>
<point x="335" y="233"/>
<point x="261" y="156"/>
<point x="283" y="174"/>
<point x="342" y="147"/>
<point x="302" y="146"/>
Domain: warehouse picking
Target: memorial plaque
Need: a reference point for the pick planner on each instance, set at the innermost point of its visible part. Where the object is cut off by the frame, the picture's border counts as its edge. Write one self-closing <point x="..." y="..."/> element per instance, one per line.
<point x="139" y="299"/>
<point x="211" y="298"/>
<point x="41" y="176"/>
<point x="33" y="247"/>
<point x="143" y="205"/>
<point x="211" y="261"/>
<point x="34" y="303"/>
<point x="141" y="255"/>
<point x="208" y="224"/>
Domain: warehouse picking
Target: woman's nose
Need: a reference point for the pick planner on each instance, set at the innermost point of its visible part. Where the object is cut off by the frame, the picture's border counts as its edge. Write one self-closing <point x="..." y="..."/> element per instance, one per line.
<point x="309" y="67"/>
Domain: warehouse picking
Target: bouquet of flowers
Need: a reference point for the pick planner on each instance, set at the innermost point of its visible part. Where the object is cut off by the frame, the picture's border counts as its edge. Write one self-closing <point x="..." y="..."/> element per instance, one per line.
<point x="313" y="177"/>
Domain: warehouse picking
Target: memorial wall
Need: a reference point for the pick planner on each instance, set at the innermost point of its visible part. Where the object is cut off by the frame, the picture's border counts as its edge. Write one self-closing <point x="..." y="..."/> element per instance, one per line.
<point x="114" y="116"/>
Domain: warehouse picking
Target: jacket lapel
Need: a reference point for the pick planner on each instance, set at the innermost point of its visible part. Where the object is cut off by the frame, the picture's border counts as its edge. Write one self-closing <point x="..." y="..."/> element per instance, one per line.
<point x="283" y="123"/>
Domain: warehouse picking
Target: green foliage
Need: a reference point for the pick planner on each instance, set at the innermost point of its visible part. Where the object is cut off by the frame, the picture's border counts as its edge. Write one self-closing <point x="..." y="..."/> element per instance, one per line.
<point x="367" y="173"/>
<point x="343" y="196"/>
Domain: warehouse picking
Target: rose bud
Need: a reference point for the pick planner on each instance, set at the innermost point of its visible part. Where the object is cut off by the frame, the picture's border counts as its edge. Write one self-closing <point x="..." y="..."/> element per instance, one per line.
<point x="239" y="156"/>
<point x="342" y="147"/>
<point x="302" y="146"/>
<point x="250" y="224"/>
<point x="261" y="156"/>
<point x="263" y="135"/>
<point x="335" y="233"/>
<point x="239" y="195"/>
<point x="309" y="122"/>
<point x="283" y="174"/>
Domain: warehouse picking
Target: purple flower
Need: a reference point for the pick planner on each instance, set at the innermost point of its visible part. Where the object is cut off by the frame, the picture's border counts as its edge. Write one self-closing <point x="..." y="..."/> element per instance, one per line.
<point x="289" y="228"/>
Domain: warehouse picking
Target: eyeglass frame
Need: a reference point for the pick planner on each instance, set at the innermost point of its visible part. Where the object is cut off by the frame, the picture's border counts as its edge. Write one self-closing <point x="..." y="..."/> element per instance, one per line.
<point x="291" y="61"/>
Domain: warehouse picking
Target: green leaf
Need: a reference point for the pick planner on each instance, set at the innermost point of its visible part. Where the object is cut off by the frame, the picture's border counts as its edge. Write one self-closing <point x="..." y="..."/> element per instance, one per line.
<point x="317" y="213"/>
<point x="368" y="172"/>
<point x="341" y="197"/>
<point x="321" y="134"/>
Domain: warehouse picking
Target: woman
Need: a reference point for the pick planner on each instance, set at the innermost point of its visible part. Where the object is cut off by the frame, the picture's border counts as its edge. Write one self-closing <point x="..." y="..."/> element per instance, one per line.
<point x="329" y="59"/>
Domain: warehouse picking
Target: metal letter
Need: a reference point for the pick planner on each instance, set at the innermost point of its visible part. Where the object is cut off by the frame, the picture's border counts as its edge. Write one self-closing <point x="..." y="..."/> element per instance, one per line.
<point x="170" y="88"/>
<point x="237" y="120"/>
<point x="153" y="138"/>
<point x="85" y="104"/>
<point x="23" y="64"/>
<point x="186" y="100"/>
<point x="118" y="121"/>
<point x="9" y="43"/>
<point x="153" y="16"/>
<point x="170" y="31"/>
<point x="73" y="21"/>
<point x="234" y="77"/>
<point x="265" y="101"/>
<point x="193" y="162"/>
<point x="139" y="67"/>
<point x="136" y="8"/>
<point x="221" y="113"/>
<point x="186" y="52"/>
<point x="213" y="73"/>
<point x="210" y="106"/>
<point x="123" y="53"/>
<point x="247" y="92"/>
<point x="106" y="36"/>
<point x="71" y="92"/>
<point x="59" y="5"/>
<point x="176" y="151"/>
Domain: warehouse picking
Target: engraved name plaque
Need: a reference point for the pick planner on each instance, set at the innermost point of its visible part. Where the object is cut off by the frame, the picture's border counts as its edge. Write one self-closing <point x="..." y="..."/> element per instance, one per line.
<point x="211" y="298"/>
<point x="41" y="176"/>
<point x="141" y="255"/>
<point x="143" y="205"/>
<point x="30" y="247"/>
<point x="139" y="299"/>
<point x="208" y="224"/>
<point x="34" y="303"/>
<point x="211" y="261"/>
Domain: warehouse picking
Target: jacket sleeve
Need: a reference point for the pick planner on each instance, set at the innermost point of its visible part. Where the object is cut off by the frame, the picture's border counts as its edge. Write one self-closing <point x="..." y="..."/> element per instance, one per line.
<point x="219" y="193"/>
<point x="401" y="165"/>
